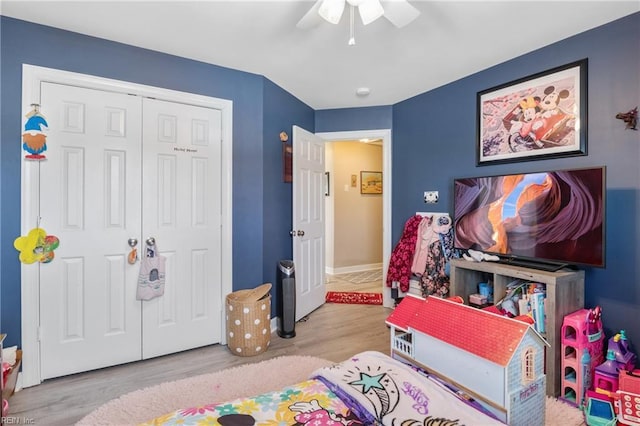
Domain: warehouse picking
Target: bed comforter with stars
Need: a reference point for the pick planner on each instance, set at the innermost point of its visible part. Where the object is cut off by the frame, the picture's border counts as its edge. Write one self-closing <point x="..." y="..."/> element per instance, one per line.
<point x="370" y="388"/>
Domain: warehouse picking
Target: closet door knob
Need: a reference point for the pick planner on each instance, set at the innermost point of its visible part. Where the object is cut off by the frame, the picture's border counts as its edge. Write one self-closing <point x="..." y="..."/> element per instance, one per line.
<point x="300" y="233"/>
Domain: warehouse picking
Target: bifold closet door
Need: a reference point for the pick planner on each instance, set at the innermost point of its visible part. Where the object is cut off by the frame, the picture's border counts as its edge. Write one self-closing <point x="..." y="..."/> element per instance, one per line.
<point x="90" y="198"/>
<point x="121" y="167"/>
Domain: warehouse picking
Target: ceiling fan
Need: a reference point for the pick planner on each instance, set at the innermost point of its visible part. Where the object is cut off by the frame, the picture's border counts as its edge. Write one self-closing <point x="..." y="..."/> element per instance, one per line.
<point x="398" y="12"/>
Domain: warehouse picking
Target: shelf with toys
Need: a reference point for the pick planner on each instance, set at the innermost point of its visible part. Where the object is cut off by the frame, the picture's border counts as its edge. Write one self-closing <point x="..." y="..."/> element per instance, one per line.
<point x="563" y="293"/>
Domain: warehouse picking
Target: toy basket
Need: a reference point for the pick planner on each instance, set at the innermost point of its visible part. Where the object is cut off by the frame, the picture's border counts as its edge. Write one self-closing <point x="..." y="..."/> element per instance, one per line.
<point x="248" y="314"/>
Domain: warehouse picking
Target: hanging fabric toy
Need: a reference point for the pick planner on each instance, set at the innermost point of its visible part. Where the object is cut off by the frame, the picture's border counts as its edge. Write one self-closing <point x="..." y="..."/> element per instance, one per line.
<point x="34" y="140"/>
<point x="37" y="246"/>
<point x="152" y="274"/>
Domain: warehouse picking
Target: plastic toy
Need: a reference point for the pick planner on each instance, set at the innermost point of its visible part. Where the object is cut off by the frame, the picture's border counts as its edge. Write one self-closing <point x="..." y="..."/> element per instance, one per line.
<point x="599" y="410"/>
<point x="616" y="387"/>
<point x="619" y="357"/>
<point x="627" y="402"/>
<point x="582" y="348"/>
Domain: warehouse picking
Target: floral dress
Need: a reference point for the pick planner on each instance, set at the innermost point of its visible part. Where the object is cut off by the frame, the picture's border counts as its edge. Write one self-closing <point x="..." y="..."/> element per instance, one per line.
<point x="402" y="256"/>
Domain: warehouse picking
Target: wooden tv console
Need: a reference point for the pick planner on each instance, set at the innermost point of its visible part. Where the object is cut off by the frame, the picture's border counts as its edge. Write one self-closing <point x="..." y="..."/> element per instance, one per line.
<point x="565" y="294"/>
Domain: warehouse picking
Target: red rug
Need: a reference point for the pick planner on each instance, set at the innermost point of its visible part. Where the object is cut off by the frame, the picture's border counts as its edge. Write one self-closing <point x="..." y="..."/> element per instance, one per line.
<point x="353" y="297"/>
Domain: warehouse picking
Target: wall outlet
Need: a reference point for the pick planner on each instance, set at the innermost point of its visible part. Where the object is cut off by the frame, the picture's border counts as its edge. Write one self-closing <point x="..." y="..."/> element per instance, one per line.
<point x="431" y="197"/>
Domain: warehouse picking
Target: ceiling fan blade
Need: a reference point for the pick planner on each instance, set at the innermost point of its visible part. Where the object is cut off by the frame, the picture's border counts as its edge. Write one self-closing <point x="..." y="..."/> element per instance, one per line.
<point x="399" y="12"/>
<point x="311" y="18"/>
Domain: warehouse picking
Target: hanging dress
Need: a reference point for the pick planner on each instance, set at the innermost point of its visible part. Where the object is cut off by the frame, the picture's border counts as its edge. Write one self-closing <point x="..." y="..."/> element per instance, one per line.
<point x="435" y="278"/>
<point x="402" y="256"/>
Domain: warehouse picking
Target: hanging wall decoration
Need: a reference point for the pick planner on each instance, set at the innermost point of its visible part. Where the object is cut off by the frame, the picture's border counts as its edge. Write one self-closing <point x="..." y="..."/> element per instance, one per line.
<point x="34" y="140"/>
<point x="37" y="246"/>
<point x="287" y="158"/>
<point x="630" y="118"/>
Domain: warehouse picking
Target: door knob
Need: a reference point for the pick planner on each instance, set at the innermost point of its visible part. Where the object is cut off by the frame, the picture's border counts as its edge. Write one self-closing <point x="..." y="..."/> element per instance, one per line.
<point x="132" y="242"/>
<point x="300" y="233"/>
<point x="292" y="233"/>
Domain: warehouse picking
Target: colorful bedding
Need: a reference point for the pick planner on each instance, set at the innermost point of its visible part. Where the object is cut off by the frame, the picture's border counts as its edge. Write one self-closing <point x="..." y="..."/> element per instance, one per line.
<point x="309" y="402"/>
<point x="368" y="389"/>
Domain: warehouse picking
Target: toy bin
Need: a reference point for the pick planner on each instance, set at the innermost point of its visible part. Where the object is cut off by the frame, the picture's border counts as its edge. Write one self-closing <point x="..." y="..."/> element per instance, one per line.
<point x="248" y="314"/>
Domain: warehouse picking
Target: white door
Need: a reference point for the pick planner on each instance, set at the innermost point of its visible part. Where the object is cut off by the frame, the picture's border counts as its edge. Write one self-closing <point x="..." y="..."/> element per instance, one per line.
<point x="308" y="221"/>
<point x="90" y="199"/>
<point x="109" y="178"/>
<point x="182" y="212"/>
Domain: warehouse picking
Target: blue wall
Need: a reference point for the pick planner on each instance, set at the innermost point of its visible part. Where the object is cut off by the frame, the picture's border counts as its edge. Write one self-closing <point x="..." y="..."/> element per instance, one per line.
<point x="434" y="138"/>
<point x="256" y="148"/>
<point x="281" y="112"/>
<point x="352" y="119"/>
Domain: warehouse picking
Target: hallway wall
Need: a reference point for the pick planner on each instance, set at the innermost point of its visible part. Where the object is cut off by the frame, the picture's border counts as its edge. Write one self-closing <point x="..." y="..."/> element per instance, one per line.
<point x="357" y="218"/>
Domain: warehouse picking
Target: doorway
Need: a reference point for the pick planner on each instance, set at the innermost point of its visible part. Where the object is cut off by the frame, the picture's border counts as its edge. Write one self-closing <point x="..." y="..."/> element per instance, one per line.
<point x="384" y="135"/>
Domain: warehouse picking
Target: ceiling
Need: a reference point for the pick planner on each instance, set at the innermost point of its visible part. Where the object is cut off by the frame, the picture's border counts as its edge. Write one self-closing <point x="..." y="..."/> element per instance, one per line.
<point x="449" y="40"/>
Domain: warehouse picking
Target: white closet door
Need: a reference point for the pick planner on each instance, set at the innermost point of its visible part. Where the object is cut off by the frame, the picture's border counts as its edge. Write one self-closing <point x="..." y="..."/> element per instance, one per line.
<point x="114" y="172"/>
<point x="90" y="198"/>
<point x="182" y="212"/>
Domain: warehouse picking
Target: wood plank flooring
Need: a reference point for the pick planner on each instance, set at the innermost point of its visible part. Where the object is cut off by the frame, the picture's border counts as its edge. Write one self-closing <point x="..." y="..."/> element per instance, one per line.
<point x="333" y="332"/>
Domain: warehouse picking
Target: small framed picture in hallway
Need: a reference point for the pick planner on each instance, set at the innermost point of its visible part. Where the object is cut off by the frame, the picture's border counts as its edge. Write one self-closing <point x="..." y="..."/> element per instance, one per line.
<point x="370" y="182"/>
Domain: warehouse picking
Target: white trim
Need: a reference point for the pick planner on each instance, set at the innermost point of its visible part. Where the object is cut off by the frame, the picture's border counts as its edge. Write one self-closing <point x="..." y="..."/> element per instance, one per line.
<point x="32" y="78"/>
<point x="354" y="268"/>
<point x="385" y="135"/>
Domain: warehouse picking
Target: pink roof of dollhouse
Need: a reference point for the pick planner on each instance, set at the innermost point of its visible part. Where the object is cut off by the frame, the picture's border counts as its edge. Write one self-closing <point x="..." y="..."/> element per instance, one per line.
<point x="400" y="317"/>
<point x="487" y="335"/>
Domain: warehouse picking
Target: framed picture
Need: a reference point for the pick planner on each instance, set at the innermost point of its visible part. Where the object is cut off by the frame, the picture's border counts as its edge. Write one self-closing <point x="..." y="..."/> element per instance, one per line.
<point x="537" y="117"/>
<point x="371" y="182"/>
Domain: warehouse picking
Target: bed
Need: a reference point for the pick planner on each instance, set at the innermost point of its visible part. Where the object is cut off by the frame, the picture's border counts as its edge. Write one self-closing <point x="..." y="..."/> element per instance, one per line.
<point x="370" y="388"/>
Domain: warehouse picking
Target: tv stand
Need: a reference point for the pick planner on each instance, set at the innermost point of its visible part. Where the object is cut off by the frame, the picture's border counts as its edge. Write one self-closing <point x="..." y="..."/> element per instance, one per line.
<point x="565" y="295"/>
<point x="534" y="264"/>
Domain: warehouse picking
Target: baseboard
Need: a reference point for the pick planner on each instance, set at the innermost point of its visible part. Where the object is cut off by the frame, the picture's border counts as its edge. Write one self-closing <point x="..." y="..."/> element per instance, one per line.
<point x="355" y="268"/>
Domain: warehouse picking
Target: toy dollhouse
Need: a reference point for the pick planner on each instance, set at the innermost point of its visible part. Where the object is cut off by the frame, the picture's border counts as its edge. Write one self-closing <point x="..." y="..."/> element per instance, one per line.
<point x="619" y="358"/>
<point x="498" y="360"/>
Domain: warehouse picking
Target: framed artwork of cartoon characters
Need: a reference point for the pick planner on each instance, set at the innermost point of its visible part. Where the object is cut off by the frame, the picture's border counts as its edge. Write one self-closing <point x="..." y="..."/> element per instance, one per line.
<point x="537" y="117"/>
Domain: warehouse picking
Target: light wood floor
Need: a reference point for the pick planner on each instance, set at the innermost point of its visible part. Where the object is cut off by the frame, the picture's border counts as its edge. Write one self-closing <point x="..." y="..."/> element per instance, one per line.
<point x="333" y="332"/>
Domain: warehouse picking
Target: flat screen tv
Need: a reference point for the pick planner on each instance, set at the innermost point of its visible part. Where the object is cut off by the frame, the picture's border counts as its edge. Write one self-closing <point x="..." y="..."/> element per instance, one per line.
<point x="547" y="220"/>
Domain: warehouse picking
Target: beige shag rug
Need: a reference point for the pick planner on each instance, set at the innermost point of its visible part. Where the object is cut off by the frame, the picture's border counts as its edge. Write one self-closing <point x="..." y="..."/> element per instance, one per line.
<point x="245" y="380"/>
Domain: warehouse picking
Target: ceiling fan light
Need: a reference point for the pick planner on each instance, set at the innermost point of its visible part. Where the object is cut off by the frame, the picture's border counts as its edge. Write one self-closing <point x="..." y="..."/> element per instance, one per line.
<point x="331" y="10"/>
<point x="370" y="10"/>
